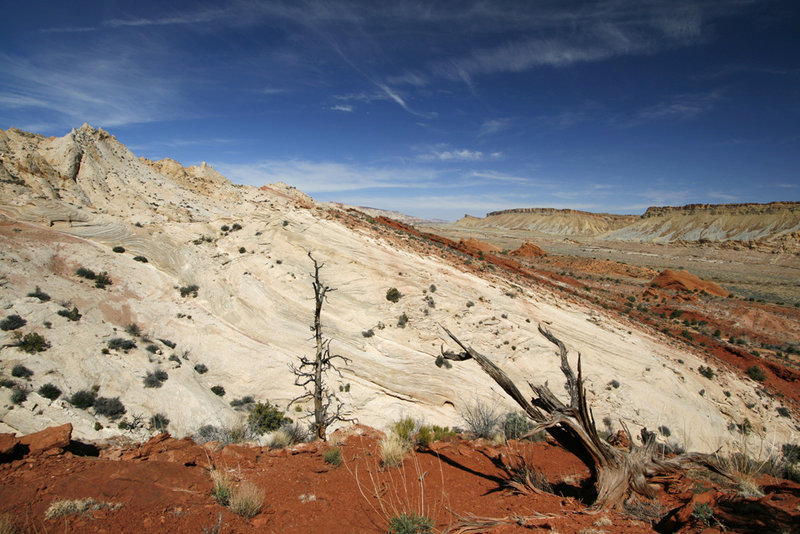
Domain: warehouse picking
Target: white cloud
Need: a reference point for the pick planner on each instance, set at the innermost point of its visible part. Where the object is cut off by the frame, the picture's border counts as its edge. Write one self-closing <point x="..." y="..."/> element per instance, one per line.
<point x="453" y="155"/>
<point x="343" y="107"/>
<point x="681" y="107"/>
<point x="493" y="126"/>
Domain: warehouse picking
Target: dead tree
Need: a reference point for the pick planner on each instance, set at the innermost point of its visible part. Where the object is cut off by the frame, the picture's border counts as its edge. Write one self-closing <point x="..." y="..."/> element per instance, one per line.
<point x="616" y="472"/>
<point x="311" y="373"/>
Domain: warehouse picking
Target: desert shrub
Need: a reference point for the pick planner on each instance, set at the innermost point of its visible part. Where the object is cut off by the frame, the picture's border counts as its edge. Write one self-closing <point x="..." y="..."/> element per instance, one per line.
<point x="140" y="259"/>
<point x="404" y="429"/>
<point x="707" y="372"/>
<point x="12" y="322"/>
<point x="235" y="227"/>
<point x="756" y="373"/>
<point x="83" y="272"/>
<point x="98" y="426"/>
<point x="102" y="280"/>
<point x="151" y="348"/>
<point x="118" y="249"/>
<point x="516" y="425"/>
<point x="783" y="411"/>
<point x="83" y="399"/>
<point x="154" y="379"/>
<point x="191" y="289"/>
<point x="470" y="304"/>
<point x="333" y="456"/>
<point x="432" y="288"/>
<point x="297" y="433"/>
<point x="118" y="343"/>
<point x="201" y="368"/>
<point x="264" y="417"/>
<point x="133" y="329"/>
<point x="481" y="419"/>
<point x="20" y="371"/>
<point x="110" y="407"/>
<point x="225" y="435"/>
<point x="158" y="422"/>
<point x="703" y="512"/>
<point x="33" y="343"/>
<point x="49" y="391"/>
<point x="393" y="294"/>
<point x="225" y="228"/>
<point x="167" y="342"/>
<point x="368" y="333"/>
<point x="65" y="507"/>
<point x="528" y="476"/>
<point x="222" y="489"/>
<point x="18" y="395"/>
<point x="72" y="315"/>
<point x="614" y="384"/>
<point x="242" y="250"/>
<point x="39" y="294"/>
<point x="402" y="320"/>
<point x="410" y="523"/>
<point x="279" y="439"/>
<point x="244" y="402"/>
<point x="442" y="362"/>
<point x="664" y="431"/>
<point x="218" y="391"/>
<point x="246" y="499"/>
<point x="7" y="382"/>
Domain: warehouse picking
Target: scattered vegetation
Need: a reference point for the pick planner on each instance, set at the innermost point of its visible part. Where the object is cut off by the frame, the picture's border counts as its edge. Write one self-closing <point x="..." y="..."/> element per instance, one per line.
<point x="110" y="407"/>
<point x="39" y="294"/>
<point x="154" y="379"/>
<point x="140" y="259"/>
<point x="218" y="391"/>
<point x="83" y="399"/>
<point x="402" y="321"/>
<point x="707" y="372"/>
<point x="118" y="249"/>
<point x="410" y="523"/>
<point x="20" y="371"/>
<point x="158" y="422"/>
<point x="393" y="450"/>
<point x="49" y="391"/>
<point x="756" y="373"/>
<point x="83" y="272"/>
<point x="65" y="507"/>
<point x="368" y="333"/>
<point x="244" y="402"/>
<point x="393" y="294"/>
<point x="32" y="343"/>
<point x="18" y="395"/>
<point x="265" y="417"/>
<point x="12" y="322"/>
<point x="119" y="343"/>
<point x="72" y="315"/>
<point x="516" y="425"/>
<point x="333" y="456"/>
<point x="102" y="280"/>
<point x="481" y="419"/>
<point x="190" y="290"/>
<point x="201" y="368"/>
<point x="246" y="500"/>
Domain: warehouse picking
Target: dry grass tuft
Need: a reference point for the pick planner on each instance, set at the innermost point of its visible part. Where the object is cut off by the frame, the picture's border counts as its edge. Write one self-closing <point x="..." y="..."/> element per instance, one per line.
<point x="7" y="525"/>
<point x="280" y="439"/>
<point x="393" y="450"/>
<point x="247" y="499"/>
<point x="64" y="507"/>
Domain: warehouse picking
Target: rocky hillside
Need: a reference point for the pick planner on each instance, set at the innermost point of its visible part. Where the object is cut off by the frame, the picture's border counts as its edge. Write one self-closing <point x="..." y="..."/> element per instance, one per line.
<point x="215" y="279"/>
<point x="773" y="222"/>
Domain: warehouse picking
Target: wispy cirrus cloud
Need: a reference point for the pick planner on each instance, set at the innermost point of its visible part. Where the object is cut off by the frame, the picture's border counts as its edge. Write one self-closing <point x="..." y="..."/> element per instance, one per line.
<point x="453" y="155"/>
<point x="680" y="107"/>
<point x="347" y="108"/>
<point x="493" y="126"/>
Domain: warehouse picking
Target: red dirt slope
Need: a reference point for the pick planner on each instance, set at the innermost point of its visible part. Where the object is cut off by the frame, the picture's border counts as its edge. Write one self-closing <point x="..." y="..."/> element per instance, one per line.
<point x="686" y="281"/>
<point x="480" y="246"/>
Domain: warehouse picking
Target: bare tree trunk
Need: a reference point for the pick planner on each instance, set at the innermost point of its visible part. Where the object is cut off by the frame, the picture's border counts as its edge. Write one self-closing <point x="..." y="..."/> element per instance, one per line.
<point x="617" y="473"/>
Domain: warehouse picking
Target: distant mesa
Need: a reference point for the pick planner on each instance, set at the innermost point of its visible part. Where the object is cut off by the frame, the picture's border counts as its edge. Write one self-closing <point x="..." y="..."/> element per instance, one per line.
<point x="480" y="246"/>
<point x="687" y="282"/>
<point x="528" y="250"/>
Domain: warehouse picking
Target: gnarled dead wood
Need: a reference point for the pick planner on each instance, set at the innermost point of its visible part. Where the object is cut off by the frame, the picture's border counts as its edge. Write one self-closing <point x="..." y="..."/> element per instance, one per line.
<point x="617" y="473"/>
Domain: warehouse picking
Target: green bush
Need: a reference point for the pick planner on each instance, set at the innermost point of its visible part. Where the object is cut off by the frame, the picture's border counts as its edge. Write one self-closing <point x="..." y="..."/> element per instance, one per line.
<point x="72" y="315"/>
<point x="140" y="259"/>
<point x="707" y="372"/>
<point x="109" y="407"/>
<point x="393" y="294"/>
<point x="102" y="280"/>
<point x="225" y="228"/>
<point x="122" y="344"/>
<point x="83" y="399"/>
<point x="516" y="425"/>
<point x="368" y="333"/>
<point x="756" y="373"/>
<point x="33" y="343"/>
<point x="265" y="417"/>
<point x="333" y="456"/>
<point x="402" y="321"/>
<point x="186" y="291"/>
<point x="244" y="402"/>
<point x="20" y="371"/>
<point x="201" y="368"/>
<point x="83" y="272"/>
<point x="218" y="390"/>
<point x="133" y="329"/>
<point x="404" y="429"/>
<point x="12" y="322"/>
<point x="39" y="294"/>
<point x="158" y="422"/>
<point x="410" y="523"/>
<point x="242" y="250"/>
<point x="154" y="379"/>
<point x="235" y="227"/>
<point x="118" y="249"/>
<point x="49" y="391"/>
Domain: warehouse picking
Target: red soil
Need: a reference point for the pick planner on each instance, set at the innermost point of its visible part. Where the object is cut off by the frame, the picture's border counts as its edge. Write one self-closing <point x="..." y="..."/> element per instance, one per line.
<point x="480" y="246"/>
<point x="528" y="250"/>
<point x="687" y="282"/>
<point x="165" y="485"/>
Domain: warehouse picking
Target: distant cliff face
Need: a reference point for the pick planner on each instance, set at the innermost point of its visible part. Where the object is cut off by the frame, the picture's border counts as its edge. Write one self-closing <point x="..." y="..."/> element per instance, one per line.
<point x="693" y="222"/>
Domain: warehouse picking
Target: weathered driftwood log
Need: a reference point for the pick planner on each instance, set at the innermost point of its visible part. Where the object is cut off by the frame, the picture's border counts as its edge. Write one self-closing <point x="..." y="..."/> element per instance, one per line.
<point x="616" y="473"/>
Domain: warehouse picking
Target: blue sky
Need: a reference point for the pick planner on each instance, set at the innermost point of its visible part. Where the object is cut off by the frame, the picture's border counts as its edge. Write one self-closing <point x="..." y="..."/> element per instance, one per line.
<point x="434" y="109"/>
